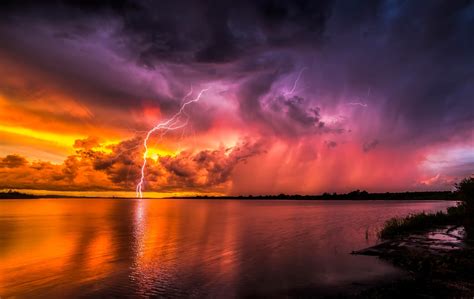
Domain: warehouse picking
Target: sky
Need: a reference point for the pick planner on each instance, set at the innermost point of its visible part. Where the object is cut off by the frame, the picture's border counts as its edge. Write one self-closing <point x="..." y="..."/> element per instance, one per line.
<point x="297" y="96"/>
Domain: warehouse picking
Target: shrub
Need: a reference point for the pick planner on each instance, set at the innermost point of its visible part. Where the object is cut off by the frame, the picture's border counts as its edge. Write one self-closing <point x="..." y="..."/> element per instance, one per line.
<point x="465" y="191"/>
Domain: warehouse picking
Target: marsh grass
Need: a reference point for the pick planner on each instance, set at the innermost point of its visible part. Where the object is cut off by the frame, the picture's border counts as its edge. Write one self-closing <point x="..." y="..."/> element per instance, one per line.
<point x="395" y="227"/>
<point x="462" y="214"/>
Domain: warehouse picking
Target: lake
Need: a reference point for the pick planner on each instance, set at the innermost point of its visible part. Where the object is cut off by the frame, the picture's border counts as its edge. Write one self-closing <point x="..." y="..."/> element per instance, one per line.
<point x="52" y="248"/>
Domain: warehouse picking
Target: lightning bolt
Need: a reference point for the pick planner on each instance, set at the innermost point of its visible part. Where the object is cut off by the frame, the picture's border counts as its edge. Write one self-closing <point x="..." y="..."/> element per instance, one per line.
<point x="357" y="103"/>
<point x="173" y="123"/>
<point x="295" y="83"/>
<point x="360" y="103"/>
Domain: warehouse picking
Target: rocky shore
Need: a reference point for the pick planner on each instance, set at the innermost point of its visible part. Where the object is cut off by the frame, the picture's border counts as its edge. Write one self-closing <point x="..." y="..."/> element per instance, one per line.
<point x="439" y="264"/>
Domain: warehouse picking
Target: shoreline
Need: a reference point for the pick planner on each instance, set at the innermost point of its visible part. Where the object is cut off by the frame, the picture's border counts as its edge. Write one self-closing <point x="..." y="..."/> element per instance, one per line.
<point x="438" y="263"/>
<point x="352" y="196"/>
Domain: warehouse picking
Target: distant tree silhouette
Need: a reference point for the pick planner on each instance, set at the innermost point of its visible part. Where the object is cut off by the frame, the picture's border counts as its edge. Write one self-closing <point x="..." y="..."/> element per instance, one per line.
<point x="465" y="191"/>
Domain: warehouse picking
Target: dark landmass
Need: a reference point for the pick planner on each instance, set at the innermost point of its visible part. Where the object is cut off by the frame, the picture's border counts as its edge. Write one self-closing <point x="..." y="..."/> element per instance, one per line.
<point x="20" y="195"/>
<point x="354" y="195"/>
<point x="16" y="195"/>
<point x="436" y="250"/>
<point x="439" y="264"/>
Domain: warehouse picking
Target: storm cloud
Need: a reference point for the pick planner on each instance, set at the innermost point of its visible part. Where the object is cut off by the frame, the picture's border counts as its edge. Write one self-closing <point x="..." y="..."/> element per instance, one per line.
<point x="415" y="57"/>
<point x="89" y="169"/>
<point x="289" y="71"/>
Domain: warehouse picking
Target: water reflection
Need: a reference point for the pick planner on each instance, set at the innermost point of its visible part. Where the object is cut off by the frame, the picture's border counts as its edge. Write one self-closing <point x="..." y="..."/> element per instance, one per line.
<point x="66" y="247"/>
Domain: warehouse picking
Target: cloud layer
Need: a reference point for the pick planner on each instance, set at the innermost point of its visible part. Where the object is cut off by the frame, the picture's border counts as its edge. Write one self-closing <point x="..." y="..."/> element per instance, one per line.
<point x="200" y="171"/>
<point x="322" y="92"/>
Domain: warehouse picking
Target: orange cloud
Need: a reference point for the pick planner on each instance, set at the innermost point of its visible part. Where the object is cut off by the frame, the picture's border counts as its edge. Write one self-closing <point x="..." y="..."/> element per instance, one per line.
<point x="90" y="169"/>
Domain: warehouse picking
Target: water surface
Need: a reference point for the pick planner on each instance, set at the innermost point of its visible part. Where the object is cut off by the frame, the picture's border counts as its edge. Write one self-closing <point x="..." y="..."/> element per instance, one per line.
<point x="191" y="248"/>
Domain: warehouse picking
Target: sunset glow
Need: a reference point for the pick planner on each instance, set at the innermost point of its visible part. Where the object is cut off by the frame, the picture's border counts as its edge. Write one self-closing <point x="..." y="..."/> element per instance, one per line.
<point x="291" y="108"/>
<point x="236" y="149"/>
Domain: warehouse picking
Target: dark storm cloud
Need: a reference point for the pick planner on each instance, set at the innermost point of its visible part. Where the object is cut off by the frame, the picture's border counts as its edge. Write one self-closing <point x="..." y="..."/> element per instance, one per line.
<point x="218" y="31"/>
<point x="289" y="117"/>
<point x="121" y="165"/>
<point x="415" y="57"/>
<point x="295" y="112"/>
<point x="207" y="168"/>
<point x="204" y="31"/>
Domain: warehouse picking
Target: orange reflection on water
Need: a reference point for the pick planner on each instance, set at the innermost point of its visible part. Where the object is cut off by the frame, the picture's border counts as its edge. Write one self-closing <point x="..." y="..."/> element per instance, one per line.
<point x="57" y="246"/>
<point x="170" y="237"/>
<point x="180" y="248"/>
<point x="48" y="246"/>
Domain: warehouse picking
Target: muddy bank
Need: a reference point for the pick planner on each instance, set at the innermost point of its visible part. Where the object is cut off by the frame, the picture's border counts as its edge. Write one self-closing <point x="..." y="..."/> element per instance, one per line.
<point x="439" y="263"/>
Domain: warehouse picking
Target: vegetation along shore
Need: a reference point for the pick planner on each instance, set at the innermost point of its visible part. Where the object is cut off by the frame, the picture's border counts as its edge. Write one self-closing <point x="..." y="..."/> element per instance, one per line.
<point x="436" y="250"/>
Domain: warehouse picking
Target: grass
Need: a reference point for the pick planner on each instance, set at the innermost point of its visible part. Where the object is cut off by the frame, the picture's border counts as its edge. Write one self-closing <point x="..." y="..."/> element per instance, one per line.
<point x="420" y="222"/>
